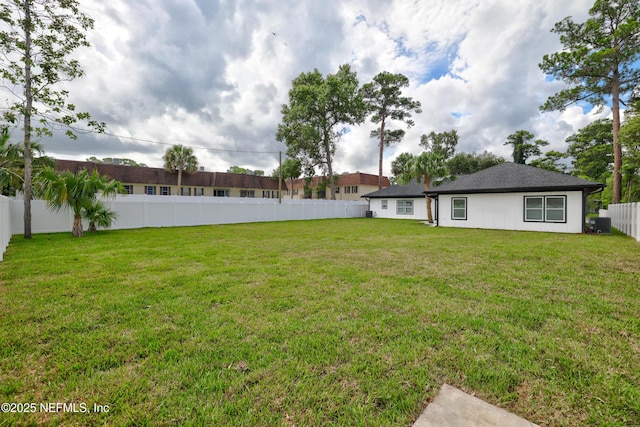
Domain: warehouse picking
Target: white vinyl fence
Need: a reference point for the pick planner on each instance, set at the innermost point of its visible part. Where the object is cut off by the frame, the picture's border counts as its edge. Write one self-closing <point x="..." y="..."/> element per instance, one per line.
<point x="5" y="224"/>
<point x="138" y="211"/>
<point x="626" y="218"/>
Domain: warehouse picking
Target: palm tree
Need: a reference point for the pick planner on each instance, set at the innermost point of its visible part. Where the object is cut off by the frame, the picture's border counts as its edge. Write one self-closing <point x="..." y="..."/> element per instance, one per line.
<point x="12" y="163"/>
<point x="74" y="190"/>
<point x="180" y="158"/>
<point x="98" y="214"/>
<point x="426" y="167"/>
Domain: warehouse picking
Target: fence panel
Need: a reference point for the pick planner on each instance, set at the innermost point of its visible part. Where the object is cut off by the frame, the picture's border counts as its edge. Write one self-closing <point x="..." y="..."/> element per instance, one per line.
<point x="626" y="218"/>
<point x="5" y="224"/>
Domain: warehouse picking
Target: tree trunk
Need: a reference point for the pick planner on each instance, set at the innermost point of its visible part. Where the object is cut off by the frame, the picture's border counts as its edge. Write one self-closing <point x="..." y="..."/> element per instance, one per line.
<point x="617" y="150"/>
<point x="92" y="227"/>
<point x="332" y="183"/>
<point x="28" y="95"/>
<point x="381" y="154"/>
<point x="179" y="182"/>
<point x="427" y="186"/>
<point x="76" y="231"/>
<point x="291" y="189"/>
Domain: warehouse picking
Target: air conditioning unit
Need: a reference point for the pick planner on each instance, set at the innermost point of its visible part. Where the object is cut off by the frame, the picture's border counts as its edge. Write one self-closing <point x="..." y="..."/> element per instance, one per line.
<point x="601" y="225"/>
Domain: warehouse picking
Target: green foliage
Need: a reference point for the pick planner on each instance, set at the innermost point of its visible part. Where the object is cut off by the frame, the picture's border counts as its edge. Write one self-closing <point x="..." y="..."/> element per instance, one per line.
<point x="385" y="102"/>
<point x="591" y="150"/>
<point x="523" y="146"/>
<point x="599" y="61"/>
<point x="467" y="163"/>
<point x="291" y="170"/>
<point x="551" y="161"/>
<point x="442" y="143"/>
<point x="179" y="158"/>
<point x="116" y="161"/>
<point x="630" y="141"/>
<point x="317" y="116"/>
<point x="98" y="215"/>
<point x="77" y="191"/>
<point x="12" y="163"/>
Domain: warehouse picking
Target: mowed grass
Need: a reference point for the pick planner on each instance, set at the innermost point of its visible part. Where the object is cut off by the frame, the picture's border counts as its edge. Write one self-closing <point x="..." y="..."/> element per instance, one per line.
<point x="332" y="322"/>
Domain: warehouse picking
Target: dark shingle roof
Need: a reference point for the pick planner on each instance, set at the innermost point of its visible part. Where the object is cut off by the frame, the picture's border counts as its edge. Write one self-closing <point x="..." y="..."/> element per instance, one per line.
<point x="408" y="190"/>
<point x="513" y="177"/>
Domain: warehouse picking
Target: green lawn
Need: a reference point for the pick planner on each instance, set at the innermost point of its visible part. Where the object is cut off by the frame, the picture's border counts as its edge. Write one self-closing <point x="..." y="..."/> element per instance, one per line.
<point x="331" y="322"/>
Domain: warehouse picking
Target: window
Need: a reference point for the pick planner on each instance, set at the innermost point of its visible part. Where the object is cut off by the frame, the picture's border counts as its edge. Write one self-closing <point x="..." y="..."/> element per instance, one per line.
<point x="404" y="207"/>
<point x="186" y="191"/>
<point x="321" y="194"/>
<point x="150" y="190"/>
<point x="545" y="208"/>
<point x="385" y="204"/>
<point x="266" y="194"/>
<point x="198" y="191"/>
<point x="295" y="192"/>
<point x="354" y="189"/>
<point x="220" y="193"/>
<point x="337" y="190"/>
<point x="555" y="209"/>
<point x="347" y="189"/>
<point x="274" y="194"/>
<point x="165" y="191"/>
<point x="459" y="208"/>
<point x="247" y="193"/>
<point x="128" y="188"/>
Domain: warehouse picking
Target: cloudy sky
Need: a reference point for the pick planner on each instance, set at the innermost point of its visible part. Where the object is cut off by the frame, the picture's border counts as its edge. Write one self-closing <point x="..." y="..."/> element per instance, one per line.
<point x="214" y="74"/>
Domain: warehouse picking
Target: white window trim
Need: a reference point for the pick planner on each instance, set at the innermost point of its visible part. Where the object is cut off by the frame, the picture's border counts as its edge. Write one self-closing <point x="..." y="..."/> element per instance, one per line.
<point x="403" y="210"/>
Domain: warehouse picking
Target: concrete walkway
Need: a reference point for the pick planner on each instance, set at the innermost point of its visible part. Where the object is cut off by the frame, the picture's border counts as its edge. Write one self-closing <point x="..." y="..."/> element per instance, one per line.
<point x="454" y="408"/>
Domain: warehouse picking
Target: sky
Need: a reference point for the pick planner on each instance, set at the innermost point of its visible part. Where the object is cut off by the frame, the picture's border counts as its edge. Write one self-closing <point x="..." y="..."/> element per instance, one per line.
<point x="214" y="75"/>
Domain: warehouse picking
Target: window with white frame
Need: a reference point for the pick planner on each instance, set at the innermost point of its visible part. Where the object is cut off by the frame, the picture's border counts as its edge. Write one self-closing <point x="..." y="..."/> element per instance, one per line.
<point x="165" y="191"/>
<point x="354" y="189"/>
<point x="404" y="207"/>
<point x="128" y="188"/>
<point x="545" y="208"/>
<point x="385" y="204"/>
<point x="198" y="191"/>
<point x="459" y="208"/>
<point x="186" y="191"/>
<point x="150" y="190"/>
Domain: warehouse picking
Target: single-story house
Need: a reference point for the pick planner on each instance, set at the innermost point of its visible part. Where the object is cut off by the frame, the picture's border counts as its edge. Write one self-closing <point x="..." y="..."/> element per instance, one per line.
<point x="399" y="201"/>
<point x="512" y="196"/>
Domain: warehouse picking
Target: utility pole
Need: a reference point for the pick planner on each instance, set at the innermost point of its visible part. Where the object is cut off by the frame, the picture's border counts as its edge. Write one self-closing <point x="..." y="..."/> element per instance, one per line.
<point x="280" y="178"/>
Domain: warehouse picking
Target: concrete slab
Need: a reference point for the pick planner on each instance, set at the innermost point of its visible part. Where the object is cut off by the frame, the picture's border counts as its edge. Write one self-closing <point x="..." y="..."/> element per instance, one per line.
<point x="455" y="408"/>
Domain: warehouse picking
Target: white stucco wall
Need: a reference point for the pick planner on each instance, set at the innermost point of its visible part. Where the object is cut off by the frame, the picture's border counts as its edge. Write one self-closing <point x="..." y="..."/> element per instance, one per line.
<point x="505" y="211"/>
<point x="419" y="209"/>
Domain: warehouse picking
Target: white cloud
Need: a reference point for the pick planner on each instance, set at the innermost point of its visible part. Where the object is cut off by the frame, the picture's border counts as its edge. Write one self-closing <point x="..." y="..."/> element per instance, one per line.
<point x="215" y="75"/>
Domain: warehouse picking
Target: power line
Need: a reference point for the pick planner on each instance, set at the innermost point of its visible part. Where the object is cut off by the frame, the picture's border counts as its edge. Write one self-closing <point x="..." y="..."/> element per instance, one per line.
<point x="190" y="146"/>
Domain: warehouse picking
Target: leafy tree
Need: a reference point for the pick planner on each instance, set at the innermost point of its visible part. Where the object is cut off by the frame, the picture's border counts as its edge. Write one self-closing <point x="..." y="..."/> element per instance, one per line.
<point x="425" y="167"/>
<point x="523" y="146"/>
<point x="238" y="169"/>
<point x="401" y="166"/>
<point x="12" y="163"/>
<point x="77" y="191"/>
<point x="442" y="143"/>
<point x="467" y="163"/>
<point x="630" y="141"/>
<point x="599" y="60"/>
<point x="551" y="161"/>
<point x="116" y="161"/>
<point x="37" y="42"/>
<point x="179" y="158"/>
<point x="591" y="150"/>
<point x="98" y="215"/>
<point x="291" y="169"/>
<point x="315" y="119"/>
<point x="384" y="99"/>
